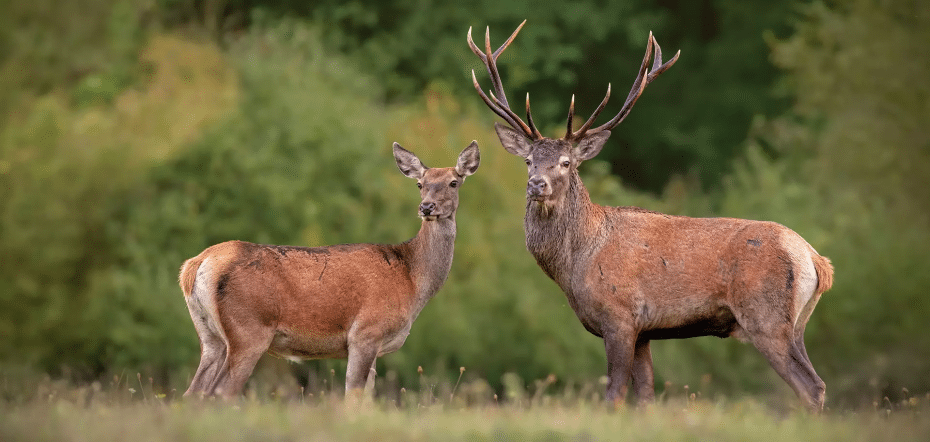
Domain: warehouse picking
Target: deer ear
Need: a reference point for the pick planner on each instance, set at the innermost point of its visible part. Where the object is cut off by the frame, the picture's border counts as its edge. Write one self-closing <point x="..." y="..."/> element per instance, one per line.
<point x="468" y="160"/>
<point x="515" y="142"/>
<point x="408" y="163"/>
<point x="591" y="145"/>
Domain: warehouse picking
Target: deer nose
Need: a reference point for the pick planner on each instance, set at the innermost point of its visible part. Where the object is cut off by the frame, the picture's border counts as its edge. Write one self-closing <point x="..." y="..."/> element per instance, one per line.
<point x="536" y="186"/>
<point x="427" y="208"/>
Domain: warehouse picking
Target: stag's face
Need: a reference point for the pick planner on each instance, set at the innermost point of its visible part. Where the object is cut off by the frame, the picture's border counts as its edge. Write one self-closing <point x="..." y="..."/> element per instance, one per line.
<point x="550" y="163"/>
<point x="439" y="187"/>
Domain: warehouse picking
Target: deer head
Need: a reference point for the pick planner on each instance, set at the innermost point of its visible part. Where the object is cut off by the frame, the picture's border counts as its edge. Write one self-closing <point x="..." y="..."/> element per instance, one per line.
<point x="439" y="187"/>
<point x="552" y="162"/>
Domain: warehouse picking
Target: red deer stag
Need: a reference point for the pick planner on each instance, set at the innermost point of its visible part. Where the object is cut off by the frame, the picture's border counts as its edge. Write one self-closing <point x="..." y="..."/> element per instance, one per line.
<point x="632" y="275"/>
<point x="351" y="300"/>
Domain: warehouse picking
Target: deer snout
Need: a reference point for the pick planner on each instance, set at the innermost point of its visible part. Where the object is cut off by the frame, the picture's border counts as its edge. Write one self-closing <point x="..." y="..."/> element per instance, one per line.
<point x="427" y="208"/>
<point x="537" y="186"/>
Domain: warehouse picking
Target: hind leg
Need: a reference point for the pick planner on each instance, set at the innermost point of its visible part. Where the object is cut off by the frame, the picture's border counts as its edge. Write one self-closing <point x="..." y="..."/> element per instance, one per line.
<point x="643" y="377"/>
<point x="801" y="324"/>
<point x="212" y="355"/>
<point x="799" y="352"/>
<point x="242" y="353"/>
<point x="790" y="362"/>
<point x="212" y="351"/>
<point x="804" y="371"/>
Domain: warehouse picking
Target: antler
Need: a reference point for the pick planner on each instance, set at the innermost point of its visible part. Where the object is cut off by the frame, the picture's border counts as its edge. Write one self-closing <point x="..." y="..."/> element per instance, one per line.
<point x="498" y="103"/>
<point x="642" y="80"/>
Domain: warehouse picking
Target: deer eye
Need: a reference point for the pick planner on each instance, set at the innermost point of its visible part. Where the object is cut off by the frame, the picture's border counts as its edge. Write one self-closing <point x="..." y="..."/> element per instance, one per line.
<point x="454" y="184"/>
<point x="527" y="161"/>
<point x="566" y="163"/>
<point x="419" y="185"/>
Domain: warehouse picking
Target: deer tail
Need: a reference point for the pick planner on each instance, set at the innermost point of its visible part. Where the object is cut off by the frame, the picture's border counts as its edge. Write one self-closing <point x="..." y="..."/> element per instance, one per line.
<point x="189" y="273"/>
<point x="824" y="269"/>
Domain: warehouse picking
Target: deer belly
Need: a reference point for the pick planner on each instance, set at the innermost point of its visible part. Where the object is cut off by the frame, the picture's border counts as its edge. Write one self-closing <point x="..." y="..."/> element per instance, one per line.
<point x="720" y="323"/>
<point x="297" y="346"/>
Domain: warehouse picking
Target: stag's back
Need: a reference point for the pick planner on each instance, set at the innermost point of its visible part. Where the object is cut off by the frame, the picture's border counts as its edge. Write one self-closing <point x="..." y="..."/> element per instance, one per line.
<point x="679" y="257"/>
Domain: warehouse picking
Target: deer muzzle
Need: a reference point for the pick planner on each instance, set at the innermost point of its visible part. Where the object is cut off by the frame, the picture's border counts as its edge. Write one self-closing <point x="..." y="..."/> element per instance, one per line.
<point x="538" y="187"/>
<point x="428" y="210"/>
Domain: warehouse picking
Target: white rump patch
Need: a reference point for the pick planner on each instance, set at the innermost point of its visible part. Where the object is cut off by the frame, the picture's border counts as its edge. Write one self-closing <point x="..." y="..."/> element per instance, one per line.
<point x="205" y="296"/>
<point x="805" y="276"/>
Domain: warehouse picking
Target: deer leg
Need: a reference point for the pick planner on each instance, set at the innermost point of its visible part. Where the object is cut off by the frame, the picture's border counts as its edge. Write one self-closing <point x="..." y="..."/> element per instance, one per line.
<point x="212" y="349"/>
<point x="361" y="363"/>
<point x="212" y="355"/>
<point x="620" y="349"/>
<point x="372" y="376"/>
<point x="801" y="324"/>
<point x="242" y="353"/>
<point x="643" y="378"/>
<point x="803" y="370"/>
<point x="817" y="388"/>
<point x="791" y="364"/>
<point x="801" y="365"/>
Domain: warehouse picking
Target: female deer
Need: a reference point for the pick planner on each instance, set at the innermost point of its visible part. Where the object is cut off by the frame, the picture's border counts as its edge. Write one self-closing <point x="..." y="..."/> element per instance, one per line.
<point x="352" y="300"/>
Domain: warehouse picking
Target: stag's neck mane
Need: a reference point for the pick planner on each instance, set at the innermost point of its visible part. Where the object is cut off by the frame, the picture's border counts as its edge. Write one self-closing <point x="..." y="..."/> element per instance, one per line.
<point x="562" y="235"/>
<point x="429" y="255"/>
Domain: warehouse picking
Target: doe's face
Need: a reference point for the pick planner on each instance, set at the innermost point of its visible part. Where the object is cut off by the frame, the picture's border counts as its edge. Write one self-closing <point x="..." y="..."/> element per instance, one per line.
<point x="439" y="193"/>
<point x="439" y="187"/>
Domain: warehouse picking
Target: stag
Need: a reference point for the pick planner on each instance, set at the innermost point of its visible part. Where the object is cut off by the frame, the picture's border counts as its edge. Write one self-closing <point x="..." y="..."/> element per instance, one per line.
<point x="355" y="301"/>
<point x="633" y="275"/>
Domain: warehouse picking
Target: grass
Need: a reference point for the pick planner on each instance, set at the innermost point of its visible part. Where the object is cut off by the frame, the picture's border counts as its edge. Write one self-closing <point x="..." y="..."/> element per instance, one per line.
<point x="130" y="409"/>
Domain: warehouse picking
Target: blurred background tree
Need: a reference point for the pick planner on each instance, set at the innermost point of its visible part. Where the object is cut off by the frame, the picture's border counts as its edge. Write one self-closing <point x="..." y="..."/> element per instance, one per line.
<point x="146" y="130"/>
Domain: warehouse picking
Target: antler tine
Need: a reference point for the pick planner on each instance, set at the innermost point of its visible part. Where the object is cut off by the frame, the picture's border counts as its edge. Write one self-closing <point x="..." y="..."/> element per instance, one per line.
<point x="494" y="107"/>
<point x="499" y="50"/>
<point x="499" y="104"/>
<point x="643" y="71"/>
<point x="643" y="78"/>
<point x="657" y="67"/>
<point x="492" y="68"/>
<point x="529" y="118"/>
<point x="587" y="124"/>
<point x="474" y="47"/>
<point x="571" y="115"/>
<point x="490" y="58"/>
<point x="520" y="124"/>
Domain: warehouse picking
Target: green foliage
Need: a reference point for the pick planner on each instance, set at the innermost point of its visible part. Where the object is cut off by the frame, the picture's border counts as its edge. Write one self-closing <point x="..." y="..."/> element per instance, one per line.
<point x="261" y="175"/>
<point x="43" y="47"/>
<point x="864" y="194"/>
<point x="48" y="235"/>
<point x="693" y="120"/>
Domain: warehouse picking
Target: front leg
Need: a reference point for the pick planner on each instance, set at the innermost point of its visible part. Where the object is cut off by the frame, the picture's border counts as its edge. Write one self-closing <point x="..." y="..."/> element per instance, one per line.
<point x="643" y="378"/>
<point x="620" y="347"/>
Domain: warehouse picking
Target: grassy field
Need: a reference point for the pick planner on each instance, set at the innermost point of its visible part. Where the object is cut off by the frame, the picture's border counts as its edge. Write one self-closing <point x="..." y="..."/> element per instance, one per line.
<point x="129" y="409"/>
